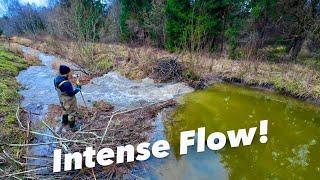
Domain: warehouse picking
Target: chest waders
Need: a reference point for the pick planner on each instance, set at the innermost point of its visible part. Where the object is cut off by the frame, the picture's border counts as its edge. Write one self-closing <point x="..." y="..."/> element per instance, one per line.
<point x="69" y="106"/>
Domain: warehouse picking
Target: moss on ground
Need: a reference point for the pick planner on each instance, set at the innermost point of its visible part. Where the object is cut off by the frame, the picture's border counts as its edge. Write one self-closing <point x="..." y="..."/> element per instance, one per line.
<point x="10" y="66"/>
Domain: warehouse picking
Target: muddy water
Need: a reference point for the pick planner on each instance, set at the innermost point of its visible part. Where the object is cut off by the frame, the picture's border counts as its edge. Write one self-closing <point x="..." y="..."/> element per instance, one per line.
<point x="292" y="151"/>
<point x="38" y="93"/>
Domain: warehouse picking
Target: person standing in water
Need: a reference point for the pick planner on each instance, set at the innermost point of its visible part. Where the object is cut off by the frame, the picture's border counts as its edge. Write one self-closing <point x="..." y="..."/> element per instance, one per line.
<point x="67" y="97"/>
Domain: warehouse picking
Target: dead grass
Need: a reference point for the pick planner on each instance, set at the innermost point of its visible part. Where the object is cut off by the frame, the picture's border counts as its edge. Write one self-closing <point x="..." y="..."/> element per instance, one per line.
<point x="31" y="58"/>
<point x="138" y="63"/>
<point x="21" y="40"/>
<point x="293" y="79"/>
<point x="14" y="48"/>
<point x="17" y="49"/>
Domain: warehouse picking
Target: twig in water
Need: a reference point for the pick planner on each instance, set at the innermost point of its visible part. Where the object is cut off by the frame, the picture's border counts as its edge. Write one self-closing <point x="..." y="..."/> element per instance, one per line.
<point x="24" y="172"/>
<point x="63" y="139"/>
<point x="65" y="147"/>
<point x="105" y="132"/>
<point x="18" y="119"/>
<point x="36" y="144"/>
<point x="94" y="176"/>
<point x="27" y="140"/>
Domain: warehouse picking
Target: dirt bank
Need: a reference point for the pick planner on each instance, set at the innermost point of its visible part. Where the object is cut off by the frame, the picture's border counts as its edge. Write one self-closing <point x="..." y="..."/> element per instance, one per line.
<point x="10" y="65"/>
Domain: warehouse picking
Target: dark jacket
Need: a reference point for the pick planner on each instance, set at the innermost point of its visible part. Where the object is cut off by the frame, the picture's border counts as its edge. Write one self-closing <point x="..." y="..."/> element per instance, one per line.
<point x="65" y="87"/>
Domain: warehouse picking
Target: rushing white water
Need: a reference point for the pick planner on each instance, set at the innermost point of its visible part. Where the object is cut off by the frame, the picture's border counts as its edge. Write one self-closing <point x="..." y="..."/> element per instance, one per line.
<point x="39" y="92"/>
<point x="112" y="87"/>
<point x="122" y="92"/>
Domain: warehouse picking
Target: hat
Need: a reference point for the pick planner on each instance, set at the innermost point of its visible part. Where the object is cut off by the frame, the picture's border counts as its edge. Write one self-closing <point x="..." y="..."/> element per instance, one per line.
<point x="64" y="69"/>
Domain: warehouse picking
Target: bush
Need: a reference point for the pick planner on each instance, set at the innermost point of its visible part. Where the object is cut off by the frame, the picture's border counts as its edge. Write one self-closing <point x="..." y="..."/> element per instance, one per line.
<point x="278" y="83"/>
<point x="104" y="65"/>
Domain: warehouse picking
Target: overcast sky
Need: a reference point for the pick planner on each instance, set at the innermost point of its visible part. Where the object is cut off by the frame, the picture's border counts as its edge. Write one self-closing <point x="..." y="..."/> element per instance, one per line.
<point x="39" y="3"/>
<point x="36" y="2"/>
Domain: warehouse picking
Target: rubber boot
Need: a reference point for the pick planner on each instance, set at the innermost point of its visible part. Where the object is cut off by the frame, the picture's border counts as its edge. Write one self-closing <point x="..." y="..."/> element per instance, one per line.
<point x="65" y="119"/>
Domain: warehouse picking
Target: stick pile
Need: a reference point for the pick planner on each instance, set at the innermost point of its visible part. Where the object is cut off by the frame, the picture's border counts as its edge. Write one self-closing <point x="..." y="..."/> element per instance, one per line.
<point x="101" y="127"/>
<point x="168" y="70"/>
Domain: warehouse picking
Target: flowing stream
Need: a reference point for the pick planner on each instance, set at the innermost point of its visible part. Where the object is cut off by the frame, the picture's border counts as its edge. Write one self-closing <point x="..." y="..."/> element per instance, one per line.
<point x="292" y="150"/>
<point x="38" y="93"/>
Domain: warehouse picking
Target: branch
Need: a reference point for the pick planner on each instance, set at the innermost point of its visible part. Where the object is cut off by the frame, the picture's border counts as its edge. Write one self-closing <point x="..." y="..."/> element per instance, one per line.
<point x="65" y="147"/>
<point x="12" y="159"/>
<point x="18" y="119"/>
<point x="23" y="172"/>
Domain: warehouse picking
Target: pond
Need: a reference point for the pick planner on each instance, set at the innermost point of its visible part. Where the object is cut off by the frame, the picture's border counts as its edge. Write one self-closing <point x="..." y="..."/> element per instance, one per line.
<point x="292" y="150"/>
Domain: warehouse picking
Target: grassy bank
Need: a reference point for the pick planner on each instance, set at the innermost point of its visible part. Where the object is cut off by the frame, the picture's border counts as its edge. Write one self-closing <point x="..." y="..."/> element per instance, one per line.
<point x="10" y="65"/>
<point x="138" y="62"/>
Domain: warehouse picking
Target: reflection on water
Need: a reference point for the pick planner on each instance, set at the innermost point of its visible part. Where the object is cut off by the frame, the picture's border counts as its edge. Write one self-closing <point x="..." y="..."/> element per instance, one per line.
<point x="185" y="167"/>
<point x="292" y="150"/>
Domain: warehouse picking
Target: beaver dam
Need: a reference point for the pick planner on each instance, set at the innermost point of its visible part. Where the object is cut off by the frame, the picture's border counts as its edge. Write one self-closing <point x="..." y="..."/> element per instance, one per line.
<point x="122" y="111"/>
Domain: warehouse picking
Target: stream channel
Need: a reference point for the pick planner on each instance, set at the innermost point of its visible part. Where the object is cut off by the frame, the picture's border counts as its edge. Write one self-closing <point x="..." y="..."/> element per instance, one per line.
<point x="292" y="150"/>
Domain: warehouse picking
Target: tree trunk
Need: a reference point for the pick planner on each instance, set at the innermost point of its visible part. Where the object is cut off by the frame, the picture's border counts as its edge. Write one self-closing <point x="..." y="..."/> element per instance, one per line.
<point x="296" y="47"/>
<point x="260" y="28"/>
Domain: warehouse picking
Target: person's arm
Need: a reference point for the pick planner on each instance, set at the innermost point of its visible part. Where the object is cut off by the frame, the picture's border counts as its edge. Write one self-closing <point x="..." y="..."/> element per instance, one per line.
<point x="68" y="89"/>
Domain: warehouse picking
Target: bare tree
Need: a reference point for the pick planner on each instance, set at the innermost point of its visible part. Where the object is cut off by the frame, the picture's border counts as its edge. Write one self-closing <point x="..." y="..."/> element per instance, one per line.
<point x="22" y="19"/>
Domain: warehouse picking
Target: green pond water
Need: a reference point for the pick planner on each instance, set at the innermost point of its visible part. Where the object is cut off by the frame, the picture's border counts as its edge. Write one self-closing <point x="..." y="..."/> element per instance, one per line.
<point x="292" y="150"/>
